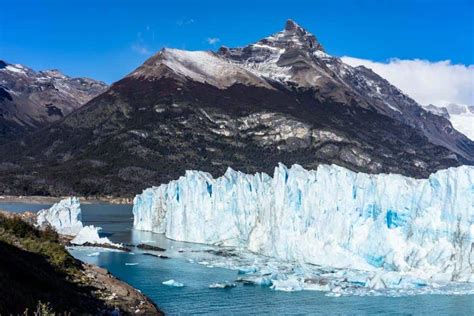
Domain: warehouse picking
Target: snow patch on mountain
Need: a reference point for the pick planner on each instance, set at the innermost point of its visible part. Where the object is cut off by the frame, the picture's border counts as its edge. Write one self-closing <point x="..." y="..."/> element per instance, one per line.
<point x="464" y="124"/>
<point x="461" y="116"/>
<point x="16" y="68"/>
<point x="200" y="66"/>
<point x="404" y="228"/>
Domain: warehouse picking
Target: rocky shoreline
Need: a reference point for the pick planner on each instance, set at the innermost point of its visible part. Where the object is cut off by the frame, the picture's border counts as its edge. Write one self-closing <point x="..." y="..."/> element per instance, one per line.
<point x="37" y="199"/>
<point x="106" y="294"/>
<point x="118" y="293"/>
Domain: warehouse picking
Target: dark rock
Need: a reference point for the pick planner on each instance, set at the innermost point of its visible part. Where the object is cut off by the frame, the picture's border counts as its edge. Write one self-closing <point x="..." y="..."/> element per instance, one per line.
<point x="107" y="246"/>
<point x="157" y="256"/>
<point x="150" y="247"/>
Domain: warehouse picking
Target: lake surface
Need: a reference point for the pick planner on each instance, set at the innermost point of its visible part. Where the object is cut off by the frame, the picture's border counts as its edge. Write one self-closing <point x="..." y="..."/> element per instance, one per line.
<point x="147" y="274"/>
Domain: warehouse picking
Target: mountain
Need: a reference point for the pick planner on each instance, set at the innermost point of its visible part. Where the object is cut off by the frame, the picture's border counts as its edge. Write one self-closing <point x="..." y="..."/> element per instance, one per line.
<point x="461" y="116"/>
<point x="30" y="100"/>
<point x="281" y="99"/>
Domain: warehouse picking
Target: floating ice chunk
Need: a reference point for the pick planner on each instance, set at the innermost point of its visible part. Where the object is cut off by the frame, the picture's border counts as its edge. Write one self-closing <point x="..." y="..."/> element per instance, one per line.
<point x="317" y="284"/>
<point x="377" y="282"/>
<point x="90" y="235"/>
<point x="247" y="270"/>
<point x="292" y="284"/>
<point x="94" y="254"/>
<point x="222" y="285"/>
<point x="173" y="283"/>
<point x="256" y="280"/>
<point x="131" y="263"/>
<point x="65" y="216"/>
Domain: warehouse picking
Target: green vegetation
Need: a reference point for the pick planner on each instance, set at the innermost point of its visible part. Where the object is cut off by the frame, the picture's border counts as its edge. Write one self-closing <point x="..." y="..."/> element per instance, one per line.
<point x="38" y="275"/>
<point x="17" y="232"/>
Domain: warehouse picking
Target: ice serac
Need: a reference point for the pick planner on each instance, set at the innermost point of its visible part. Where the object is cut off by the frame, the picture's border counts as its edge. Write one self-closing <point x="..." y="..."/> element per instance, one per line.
<point x="65" y="216"/>
<point x="330" y="216"/>
<point x="90" y="235"/>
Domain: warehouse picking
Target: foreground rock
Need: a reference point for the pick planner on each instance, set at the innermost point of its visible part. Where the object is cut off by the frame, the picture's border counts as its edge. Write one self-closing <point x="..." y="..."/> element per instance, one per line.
<point x="42" y="276"/>
<point x="118" y="293"/>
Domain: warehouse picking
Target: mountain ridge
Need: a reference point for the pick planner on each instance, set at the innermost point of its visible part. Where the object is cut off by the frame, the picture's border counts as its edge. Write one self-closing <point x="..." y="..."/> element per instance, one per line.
<point x="281" y="99"/>
<point x="31" y="100"/>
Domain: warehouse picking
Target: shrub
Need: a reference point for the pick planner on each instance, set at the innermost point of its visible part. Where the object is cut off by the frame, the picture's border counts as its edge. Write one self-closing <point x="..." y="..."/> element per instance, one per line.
<point x="17" y="227"/>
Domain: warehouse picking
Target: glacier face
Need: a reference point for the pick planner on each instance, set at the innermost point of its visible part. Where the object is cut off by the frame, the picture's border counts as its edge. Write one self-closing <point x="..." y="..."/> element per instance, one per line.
<point x="330" y="217"/>
<point x="65" y="216"/>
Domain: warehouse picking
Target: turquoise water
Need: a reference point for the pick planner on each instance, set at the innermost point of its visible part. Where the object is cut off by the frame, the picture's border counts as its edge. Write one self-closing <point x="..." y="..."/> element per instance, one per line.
<point x="147" y="274"/>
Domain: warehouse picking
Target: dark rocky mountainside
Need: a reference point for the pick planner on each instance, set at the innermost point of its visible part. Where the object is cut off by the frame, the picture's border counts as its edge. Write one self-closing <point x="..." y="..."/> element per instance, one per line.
<point x="282" y="99"/>
<point x="30" y="100"/>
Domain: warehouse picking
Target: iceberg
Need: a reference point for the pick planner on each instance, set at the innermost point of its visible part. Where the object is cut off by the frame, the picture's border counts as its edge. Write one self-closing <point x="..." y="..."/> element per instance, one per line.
<point x="90" y="235"/>
<point x="222" y="285"/>
<point x="173" y="283"/>
<point x="65" y="217"/>
<point x="403" y="230"/>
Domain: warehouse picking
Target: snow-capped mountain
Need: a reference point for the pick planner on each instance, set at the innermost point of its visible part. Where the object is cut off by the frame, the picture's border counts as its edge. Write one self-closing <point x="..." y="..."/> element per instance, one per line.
<point x="295" y="58"/>
<point x="30" y="100"/>
<point x="281" y="99"/>
<point x="461" y="116"/>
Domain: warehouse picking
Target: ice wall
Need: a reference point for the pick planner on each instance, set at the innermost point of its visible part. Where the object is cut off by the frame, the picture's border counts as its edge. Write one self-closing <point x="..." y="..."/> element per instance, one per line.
<point x="65" y="216"/>
<point x="330" y="216"/>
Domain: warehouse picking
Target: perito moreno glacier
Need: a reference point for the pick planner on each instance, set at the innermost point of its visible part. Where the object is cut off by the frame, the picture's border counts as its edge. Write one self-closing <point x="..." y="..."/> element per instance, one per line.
<point x="331" y="217"/>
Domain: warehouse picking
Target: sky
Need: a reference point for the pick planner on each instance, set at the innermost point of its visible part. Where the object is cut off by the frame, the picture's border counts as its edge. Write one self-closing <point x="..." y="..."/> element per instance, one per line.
<point x="106" y="39"/>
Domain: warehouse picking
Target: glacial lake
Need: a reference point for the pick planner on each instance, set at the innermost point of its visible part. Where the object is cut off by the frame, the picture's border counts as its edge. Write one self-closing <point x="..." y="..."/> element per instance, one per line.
<point x="191" y="264"/>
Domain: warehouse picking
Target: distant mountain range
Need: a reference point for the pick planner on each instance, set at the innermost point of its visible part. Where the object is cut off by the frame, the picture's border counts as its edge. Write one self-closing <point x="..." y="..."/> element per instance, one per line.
<point x="281" y="99"/>
<point x="30" y="100"/>
<point x="461" y="116"/>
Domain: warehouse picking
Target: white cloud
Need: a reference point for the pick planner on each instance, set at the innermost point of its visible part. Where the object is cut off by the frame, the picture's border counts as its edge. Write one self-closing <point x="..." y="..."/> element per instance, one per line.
<point x="140" y="49"/>
<point x="438" y="83"/>
<point x="213" y="40"/>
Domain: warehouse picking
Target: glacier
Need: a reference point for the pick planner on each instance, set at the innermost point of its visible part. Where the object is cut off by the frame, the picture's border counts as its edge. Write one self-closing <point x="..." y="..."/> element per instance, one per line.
<point x="65" y="217"/>
<point x="396" y="227"/>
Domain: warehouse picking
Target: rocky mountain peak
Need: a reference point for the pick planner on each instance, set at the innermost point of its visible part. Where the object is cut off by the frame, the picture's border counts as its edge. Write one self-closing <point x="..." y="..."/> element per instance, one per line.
<point x="30" y="100"/>
<point x="294" y="36"/>
<point x="292" y="25"/>
<point x="53" y="73"/>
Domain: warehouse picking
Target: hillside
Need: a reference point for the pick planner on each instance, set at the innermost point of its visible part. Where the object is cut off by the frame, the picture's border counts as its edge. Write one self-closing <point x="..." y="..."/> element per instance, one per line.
<point x="281" y="99"/>
<point x="43" y="277"/>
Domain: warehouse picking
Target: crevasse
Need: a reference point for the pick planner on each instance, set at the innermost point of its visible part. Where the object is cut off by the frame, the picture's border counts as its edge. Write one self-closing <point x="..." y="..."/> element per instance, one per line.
<point x="330" y="217"/>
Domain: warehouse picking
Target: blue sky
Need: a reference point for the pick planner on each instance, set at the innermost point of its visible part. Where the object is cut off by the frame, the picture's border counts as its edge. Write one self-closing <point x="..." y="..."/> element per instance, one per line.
<point x="108" y="39"/>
